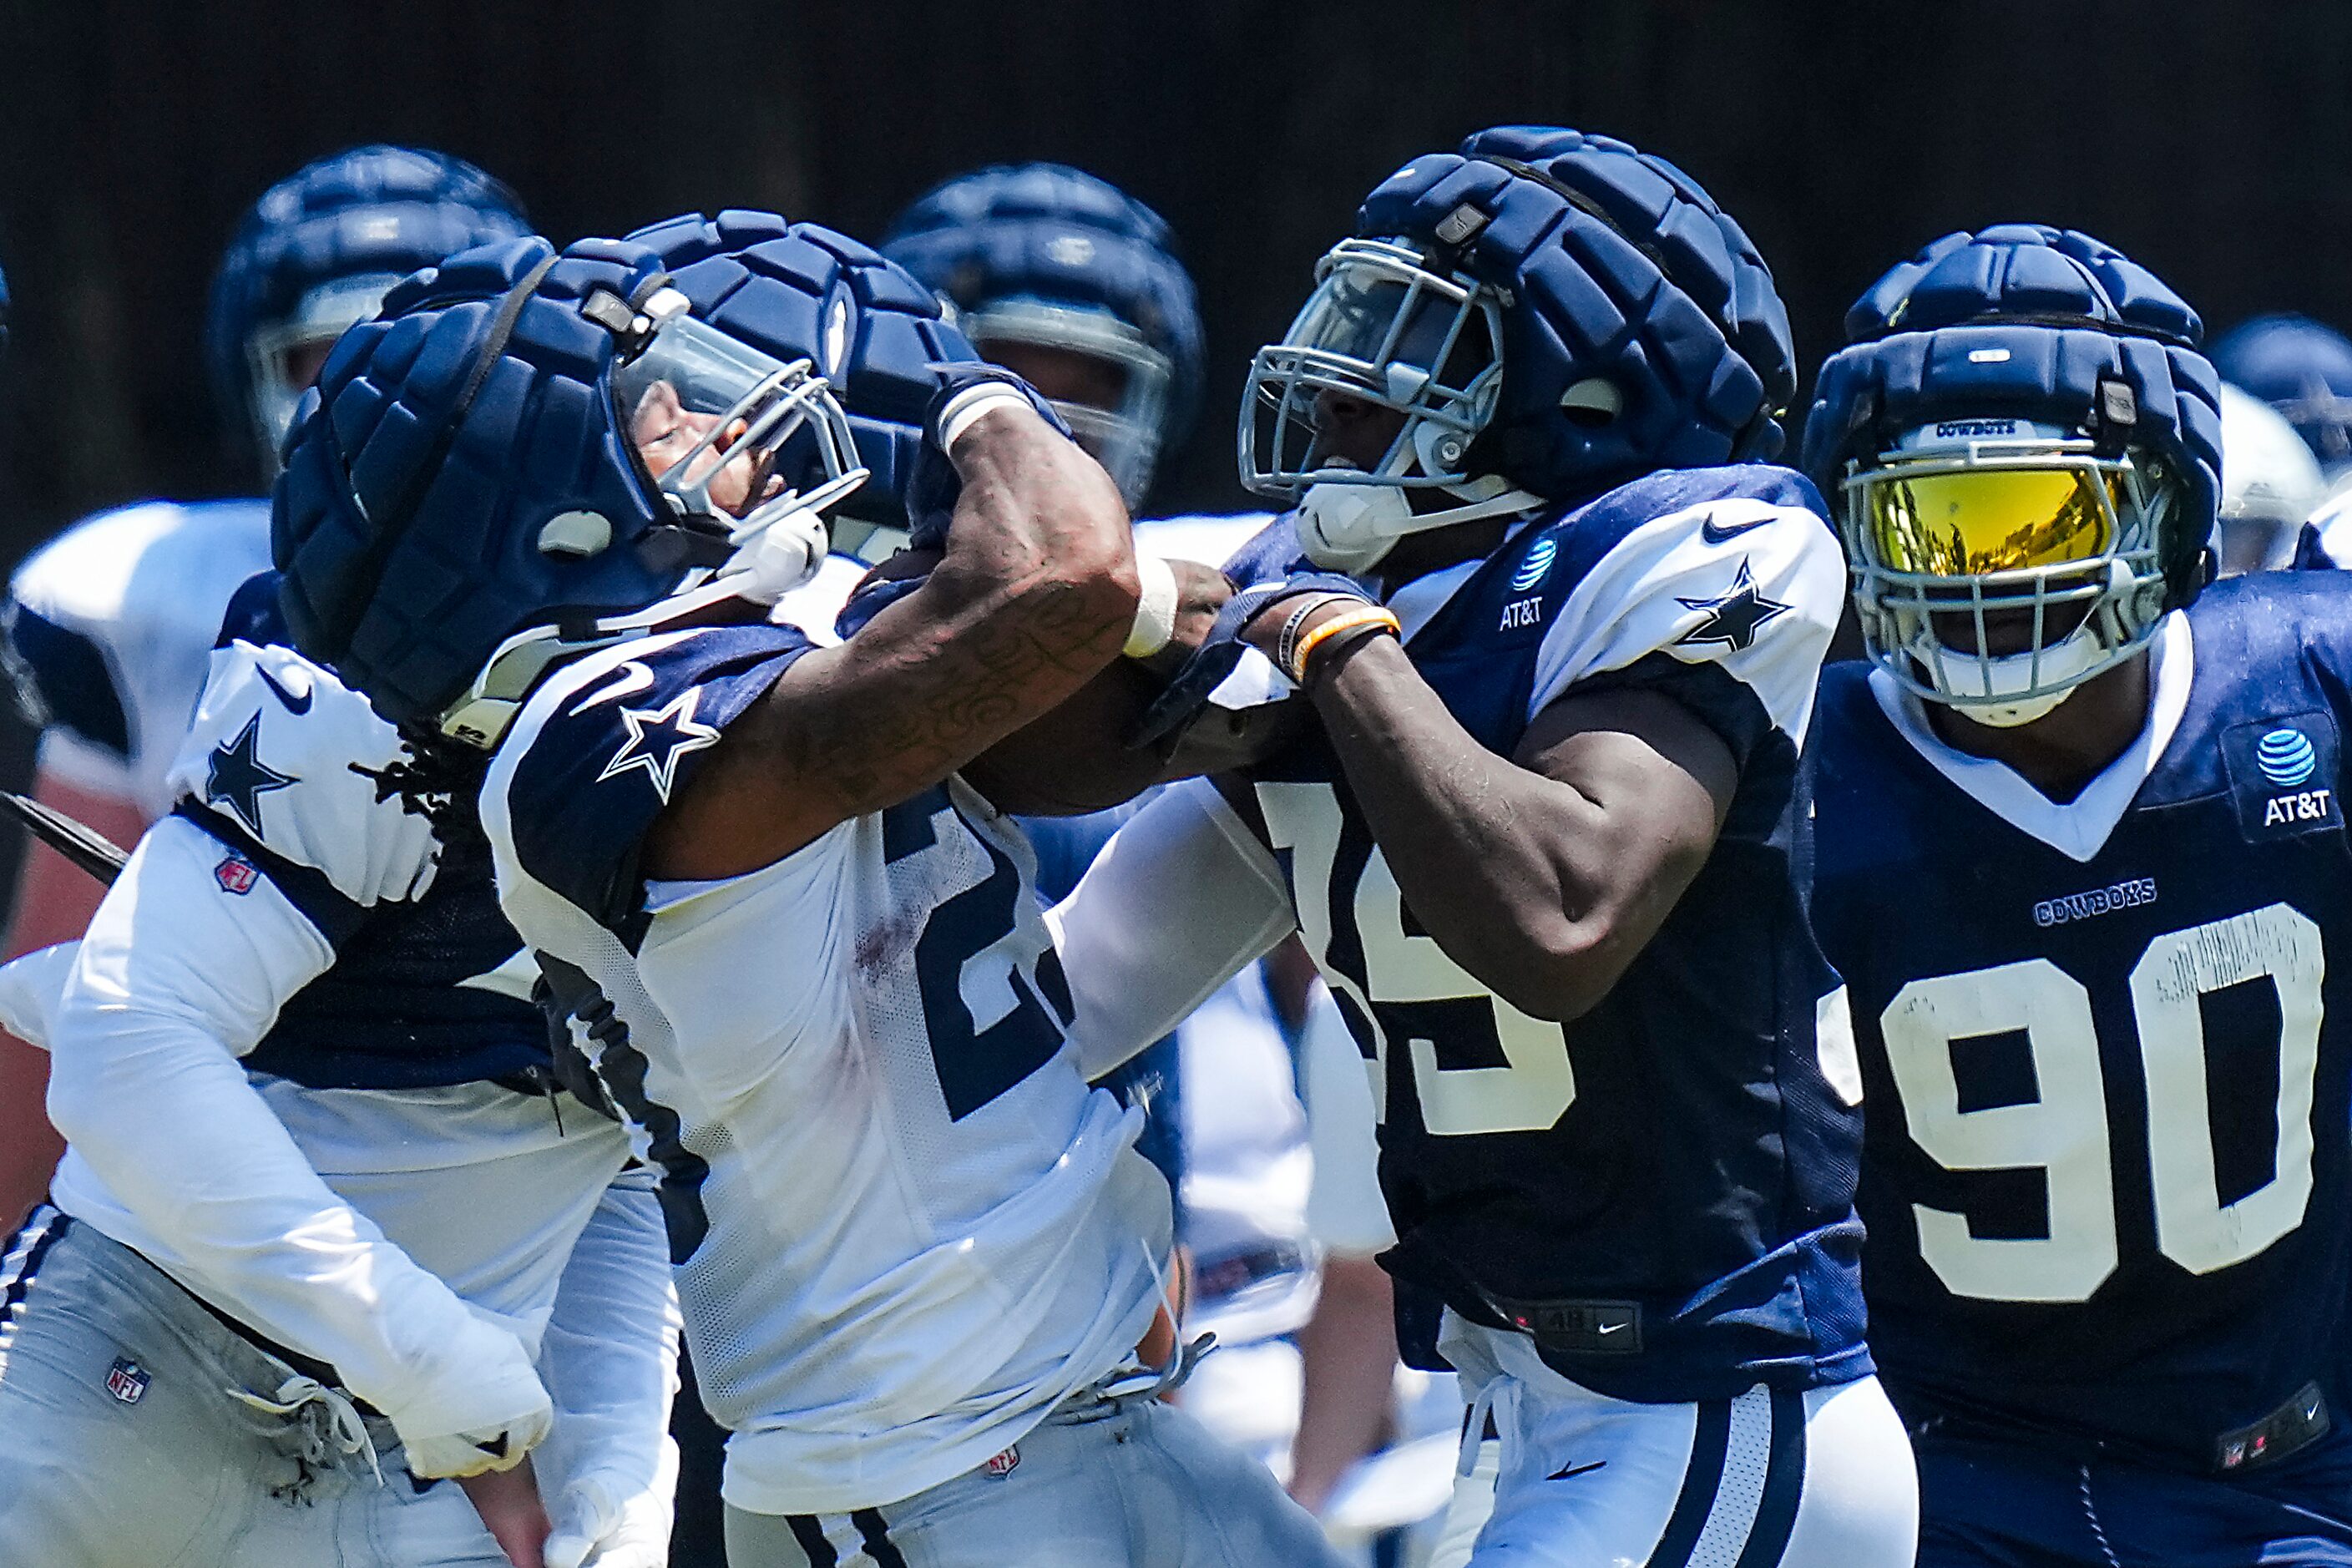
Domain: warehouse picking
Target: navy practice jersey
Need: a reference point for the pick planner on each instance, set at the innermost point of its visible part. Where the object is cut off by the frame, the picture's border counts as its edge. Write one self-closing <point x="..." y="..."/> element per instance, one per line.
<point x="2103" y="1044"/>
<point x="1663" y="1188"/>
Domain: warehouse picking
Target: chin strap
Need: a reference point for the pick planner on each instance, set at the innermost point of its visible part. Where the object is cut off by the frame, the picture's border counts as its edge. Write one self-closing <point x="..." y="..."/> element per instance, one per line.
<point x="1348" y="527"/>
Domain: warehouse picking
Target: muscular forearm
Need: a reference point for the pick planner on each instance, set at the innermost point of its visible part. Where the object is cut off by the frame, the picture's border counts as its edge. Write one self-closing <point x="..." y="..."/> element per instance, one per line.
<point x="1543" y="889"/>
<point x="1033" y="597"/>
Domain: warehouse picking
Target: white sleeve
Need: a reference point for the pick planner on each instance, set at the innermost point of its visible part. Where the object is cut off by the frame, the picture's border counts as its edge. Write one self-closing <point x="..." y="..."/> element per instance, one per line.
<point x="1345" y="1210"/>
<point x="178" y="977"/>
<point x="1181" y="900"/>
<point x="610" y="1354"/>
<point x="1748" y="587"/>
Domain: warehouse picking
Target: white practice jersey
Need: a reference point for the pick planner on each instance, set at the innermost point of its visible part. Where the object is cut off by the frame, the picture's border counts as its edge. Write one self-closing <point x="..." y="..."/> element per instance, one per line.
<point x="905" y="1226"/>
<point x="111" y="629"/>
<point x="298" y="1068"/>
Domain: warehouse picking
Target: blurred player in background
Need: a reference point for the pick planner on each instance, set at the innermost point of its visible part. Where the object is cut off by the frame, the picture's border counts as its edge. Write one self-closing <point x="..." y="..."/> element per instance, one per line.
<point x="2271" y="485"/>
<point x="2080" y="857"/>
<point x="2302" y="369"/>
<point x="1573" y="793"/>
<point x="111" y="625"/>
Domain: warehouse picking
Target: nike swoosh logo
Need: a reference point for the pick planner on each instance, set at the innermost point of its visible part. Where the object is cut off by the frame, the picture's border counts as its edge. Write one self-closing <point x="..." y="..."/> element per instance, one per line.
<point x="627" y="681"/>
<point x="1613" y="1328"/>
<point x="497" y="1449"/>
<point x="1562" y="1475"/>
<point x="1715" y="533"/>
<point x="293" y="704"/>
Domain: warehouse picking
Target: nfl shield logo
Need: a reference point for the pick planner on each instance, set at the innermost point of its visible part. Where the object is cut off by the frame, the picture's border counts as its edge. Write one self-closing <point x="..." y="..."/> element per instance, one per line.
<point x="235" y="874"/>
<point x="1003" y="1464"/>
<point x="127" y="1381"/>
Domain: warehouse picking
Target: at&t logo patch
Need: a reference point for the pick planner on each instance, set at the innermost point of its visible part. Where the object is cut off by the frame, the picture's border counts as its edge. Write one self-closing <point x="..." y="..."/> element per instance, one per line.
<point x="2283" y="771"/>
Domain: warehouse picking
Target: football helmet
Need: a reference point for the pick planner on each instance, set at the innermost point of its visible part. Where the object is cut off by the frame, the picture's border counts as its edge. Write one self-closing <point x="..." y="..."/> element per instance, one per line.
<point x="1046" y="256"/>
<point x="2304" y="370"/>
<point x="529" y="452"/>
<point x="2271" y="485"/>
<point x="319" y="251"/>
<point x="1549" y="314"/>
<point x="2025" y="448"/>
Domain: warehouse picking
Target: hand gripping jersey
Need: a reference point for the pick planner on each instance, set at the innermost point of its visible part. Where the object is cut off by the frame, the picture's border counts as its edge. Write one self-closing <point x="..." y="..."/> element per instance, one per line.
<point x="109" y="637"/>
<point x="1663" y="1188"/>
<point x="2104" y="1047"/>
<point x="905" y="1227"/>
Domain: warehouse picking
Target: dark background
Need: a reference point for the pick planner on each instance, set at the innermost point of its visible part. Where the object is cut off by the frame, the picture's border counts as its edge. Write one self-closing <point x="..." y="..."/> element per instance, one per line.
<point x="2209" y="140"/>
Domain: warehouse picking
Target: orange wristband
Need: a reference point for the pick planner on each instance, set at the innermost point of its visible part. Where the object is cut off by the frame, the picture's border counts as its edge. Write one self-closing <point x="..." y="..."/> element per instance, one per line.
<point x="1370" y="619"/>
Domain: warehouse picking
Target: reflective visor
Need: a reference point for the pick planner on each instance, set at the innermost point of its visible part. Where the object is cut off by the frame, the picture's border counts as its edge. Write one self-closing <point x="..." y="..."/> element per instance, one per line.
<point x="1970" y="522"/>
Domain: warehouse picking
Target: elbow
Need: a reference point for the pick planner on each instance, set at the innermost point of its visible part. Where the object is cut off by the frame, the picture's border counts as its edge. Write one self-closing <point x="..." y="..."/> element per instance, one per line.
<point x="1565" y="970"/>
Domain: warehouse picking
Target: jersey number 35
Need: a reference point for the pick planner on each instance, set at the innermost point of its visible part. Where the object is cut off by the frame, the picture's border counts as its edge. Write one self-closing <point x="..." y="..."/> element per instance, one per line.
<point x="1353" y="921"/>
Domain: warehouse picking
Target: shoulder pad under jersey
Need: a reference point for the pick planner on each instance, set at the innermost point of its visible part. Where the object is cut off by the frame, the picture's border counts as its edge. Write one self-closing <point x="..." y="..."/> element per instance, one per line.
<point x="602" y="749"/>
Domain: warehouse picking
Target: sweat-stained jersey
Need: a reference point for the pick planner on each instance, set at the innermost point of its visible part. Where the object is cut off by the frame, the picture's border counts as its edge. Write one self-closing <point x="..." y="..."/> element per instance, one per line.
<point x="2109" y="1078"/>
<point x="904" y="1227"/>
<point x="1663" y="1188"/>
<point x="109" y="635"/>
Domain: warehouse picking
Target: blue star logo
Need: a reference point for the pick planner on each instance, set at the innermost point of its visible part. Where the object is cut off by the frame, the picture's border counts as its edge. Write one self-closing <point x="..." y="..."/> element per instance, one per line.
<point x="237" y="778"/>
<point x="1735" y="617"/>
<point x="658" y="737"/>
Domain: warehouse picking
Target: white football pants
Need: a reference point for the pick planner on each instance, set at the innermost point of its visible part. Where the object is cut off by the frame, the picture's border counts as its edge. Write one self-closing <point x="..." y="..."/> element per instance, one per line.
<point x="1571" y="1479"/>
<point x="124" y="1442"/>
<point x="1142" y="1485"/>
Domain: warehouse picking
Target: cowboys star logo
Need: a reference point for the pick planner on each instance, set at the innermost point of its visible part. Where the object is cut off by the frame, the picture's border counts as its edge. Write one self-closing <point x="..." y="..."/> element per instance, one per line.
<point x="1733" y="619"/>
<point x="237" y="778"/>
<point x="658" y="737"/>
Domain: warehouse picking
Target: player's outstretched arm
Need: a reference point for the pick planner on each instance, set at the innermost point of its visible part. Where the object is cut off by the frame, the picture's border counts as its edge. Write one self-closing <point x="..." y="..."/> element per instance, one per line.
<point x="1036" y="594"/>
<point x="1181" y="901"/>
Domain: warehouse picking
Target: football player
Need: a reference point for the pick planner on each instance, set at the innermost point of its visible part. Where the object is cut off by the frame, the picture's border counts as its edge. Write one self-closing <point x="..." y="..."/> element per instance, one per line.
<point x="1548" y="845"/>
<point x="2271" y="485"/>
<point x="2302" y="368"/>
<point x="2081" y="854"/>
<point x="109" y="627"/>
<point x="917" y="1252"/>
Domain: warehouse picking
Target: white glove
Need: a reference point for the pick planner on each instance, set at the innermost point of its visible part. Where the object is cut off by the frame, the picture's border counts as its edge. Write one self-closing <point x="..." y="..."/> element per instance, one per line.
<point x="601" y="1521"/>
<point x="484" y="1412"/>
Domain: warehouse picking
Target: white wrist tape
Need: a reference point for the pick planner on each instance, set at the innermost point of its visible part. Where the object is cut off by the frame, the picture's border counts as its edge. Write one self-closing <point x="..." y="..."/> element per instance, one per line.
<point x="1155" y="609"/>
<point x="967" y="406"/>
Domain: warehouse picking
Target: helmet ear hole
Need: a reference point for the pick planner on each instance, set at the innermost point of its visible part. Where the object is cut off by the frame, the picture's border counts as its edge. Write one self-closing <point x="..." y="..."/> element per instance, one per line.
<point x="1593" y="403"/>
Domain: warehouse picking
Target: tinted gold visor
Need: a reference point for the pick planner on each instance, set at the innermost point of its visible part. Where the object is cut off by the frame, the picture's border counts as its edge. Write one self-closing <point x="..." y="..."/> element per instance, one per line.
<point x="1968" y="523"/>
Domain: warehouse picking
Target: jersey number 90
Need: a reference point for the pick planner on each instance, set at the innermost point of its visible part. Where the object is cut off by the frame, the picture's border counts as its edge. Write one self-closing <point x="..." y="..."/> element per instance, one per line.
<point x="1353" y="920"/>
<point x="2064" y="1133"/>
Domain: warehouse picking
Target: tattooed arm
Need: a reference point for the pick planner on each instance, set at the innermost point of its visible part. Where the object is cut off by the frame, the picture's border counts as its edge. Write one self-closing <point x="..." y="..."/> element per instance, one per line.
<point x="1035" y="596"/>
